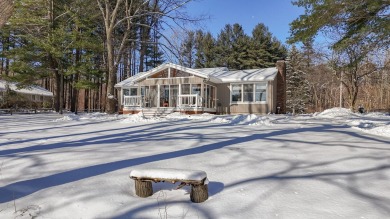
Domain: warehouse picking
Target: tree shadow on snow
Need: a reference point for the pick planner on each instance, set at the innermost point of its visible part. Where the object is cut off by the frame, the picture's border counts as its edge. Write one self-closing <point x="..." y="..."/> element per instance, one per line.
<point x="23" y="188"/>
<point x="162" y="209"/>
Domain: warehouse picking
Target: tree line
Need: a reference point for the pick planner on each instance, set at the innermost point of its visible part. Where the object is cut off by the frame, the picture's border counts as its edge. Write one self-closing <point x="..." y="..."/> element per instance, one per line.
<point x="232" y="48"/>
<point x="86" y="46"/>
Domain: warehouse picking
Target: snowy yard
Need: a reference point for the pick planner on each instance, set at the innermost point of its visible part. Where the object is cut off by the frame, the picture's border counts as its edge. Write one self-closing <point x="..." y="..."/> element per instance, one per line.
<point x="334" y="164"/>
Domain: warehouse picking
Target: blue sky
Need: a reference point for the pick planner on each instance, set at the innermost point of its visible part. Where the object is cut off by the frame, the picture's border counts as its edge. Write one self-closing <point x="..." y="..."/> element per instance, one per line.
<point x="275" y="14"/>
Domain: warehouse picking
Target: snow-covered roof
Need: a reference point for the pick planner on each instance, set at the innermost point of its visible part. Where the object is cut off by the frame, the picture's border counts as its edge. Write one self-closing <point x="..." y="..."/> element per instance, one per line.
<point x="35" y="90"/>
<point x="264" y="74"/>
<point x="216" y="75"/>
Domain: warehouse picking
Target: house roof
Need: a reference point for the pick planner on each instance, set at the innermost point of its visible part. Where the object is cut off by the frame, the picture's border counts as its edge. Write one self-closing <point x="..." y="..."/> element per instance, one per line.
<point x="216" y="75"/>
<point x="35" y="90"/>
<point x="250" y="75"/>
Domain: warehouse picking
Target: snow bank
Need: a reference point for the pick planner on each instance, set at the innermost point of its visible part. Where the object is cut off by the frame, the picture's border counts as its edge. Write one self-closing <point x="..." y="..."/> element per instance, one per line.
<point x="381" y="130"/>
<point x="250" y="119"/>
<point x="70" y="117"/>
<point x="335" y="112"/>
<point x="179" y="116"/>
<point x="219" y="119"/>
<point x="88" y="117"/>
<point x="379" y="127"/>
<point x="372" y="123"/>
<point x="99" y="116"/>
<point x="139" y="118"/>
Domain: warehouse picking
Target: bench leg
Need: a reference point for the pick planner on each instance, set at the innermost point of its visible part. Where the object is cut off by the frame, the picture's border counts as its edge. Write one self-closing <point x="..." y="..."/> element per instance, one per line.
<point x="143" y="188"/>
<point x="199" y="193"/>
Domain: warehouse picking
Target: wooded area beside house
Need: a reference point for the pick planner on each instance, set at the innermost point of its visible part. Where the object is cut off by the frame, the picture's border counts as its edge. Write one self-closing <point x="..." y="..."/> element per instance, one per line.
<point x="80" y="48"/>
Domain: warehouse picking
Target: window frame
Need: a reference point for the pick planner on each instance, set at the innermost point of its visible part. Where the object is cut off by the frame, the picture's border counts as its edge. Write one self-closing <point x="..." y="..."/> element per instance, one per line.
<point x="253" y="85"/>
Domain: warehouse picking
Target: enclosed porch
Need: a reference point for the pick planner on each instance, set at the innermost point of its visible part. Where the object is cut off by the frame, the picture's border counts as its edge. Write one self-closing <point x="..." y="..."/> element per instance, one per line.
<point x="191" y="98"/>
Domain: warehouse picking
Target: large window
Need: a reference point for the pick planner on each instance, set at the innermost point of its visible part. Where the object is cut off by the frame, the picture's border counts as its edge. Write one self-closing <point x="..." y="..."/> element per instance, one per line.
<point x="133" y="91"/>
<point x="185" y="89"/>
<point x="248" y="93"/>
<point x="130" y="92"/>
<point x="195" y="89"/>
<point x="236" y="92"/>
<point x="261" y="92"/>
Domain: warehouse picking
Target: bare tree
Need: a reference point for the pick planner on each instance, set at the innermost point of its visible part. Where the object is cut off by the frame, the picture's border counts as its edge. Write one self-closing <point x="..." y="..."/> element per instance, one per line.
<point x="351" y="68"/>
<point x="119" y="17"/>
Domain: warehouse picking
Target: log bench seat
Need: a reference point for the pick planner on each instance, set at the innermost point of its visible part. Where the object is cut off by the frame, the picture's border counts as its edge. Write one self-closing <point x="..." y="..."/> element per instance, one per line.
<point x="197" y="179"/>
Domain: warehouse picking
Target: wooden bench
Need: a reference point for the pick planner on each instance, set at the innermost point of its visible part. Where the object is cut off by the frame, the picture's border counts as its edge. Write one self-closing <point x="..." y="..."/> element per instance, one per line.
<point x="197" y="179"/>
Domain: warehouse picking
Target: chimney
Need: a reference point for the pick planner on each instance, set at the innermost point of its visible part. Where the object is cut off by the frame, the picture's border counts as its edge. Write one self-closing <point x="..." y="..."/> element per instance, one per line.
<point x="281" y="87"/>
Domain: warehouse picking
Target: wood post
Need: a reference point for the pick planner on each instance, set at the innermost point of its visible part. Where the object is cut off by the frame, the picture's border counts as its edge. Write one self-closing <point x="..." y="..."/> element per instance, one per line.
<point x="143" y="188"/>
<point x="199" y="193"/>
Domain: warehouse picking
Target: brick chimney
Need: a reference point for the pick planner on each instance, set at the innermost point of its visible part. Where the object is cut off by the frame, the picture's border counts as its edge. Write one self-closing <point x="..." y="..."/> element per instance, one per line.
<point x="281" y="87"/>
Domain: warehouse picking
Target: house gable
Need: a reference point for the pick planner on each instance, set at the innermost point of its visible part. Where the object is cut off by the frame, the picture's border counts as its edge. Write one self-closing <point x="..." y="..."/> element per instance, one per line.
<point x="169" y="70"/>
<point x="164" y="71"/>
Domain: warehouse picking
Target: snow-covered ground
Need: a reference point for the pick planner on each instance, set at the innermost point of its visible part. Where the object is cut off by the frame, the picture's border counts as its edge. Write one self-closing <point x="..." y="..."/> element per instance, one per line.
<point x="333" y="164"/>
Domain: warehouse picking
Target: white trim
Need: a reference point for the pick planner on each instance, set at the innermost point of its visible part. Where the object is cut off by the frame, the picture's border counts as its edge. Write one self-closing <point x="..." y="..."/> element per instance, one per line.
<point x="254" y="93"/>
<point x="144" y="75"/>
<point x="158" y="95"/>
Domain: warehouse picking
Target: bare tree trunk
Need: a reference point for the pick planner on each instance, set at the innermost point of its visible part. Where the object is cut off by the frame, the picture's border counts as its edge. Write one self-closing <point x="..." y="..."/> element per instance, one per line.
<point x="6" y="8"/>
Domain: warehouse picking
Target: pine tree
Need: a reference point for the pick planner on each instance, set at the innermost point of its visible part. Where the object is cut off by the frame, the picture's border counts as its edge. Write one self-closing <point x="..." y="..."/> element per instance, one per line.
<point x="356" y="22"/>
<point x="200" y="58"/>
<point x="154" y="56"/>
<point x="62" y="47"/>
<point x="297" y="84"/>
<point x="266" y="48"/>
<point x="187" y="50"/>
<point x="223" y="49"/>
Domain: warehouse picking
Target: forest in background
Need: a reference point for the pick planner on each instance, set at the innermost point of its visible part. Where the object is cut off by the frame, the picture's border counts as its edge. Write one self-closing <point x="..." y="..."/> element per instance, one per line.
<point x="81" y="48"/>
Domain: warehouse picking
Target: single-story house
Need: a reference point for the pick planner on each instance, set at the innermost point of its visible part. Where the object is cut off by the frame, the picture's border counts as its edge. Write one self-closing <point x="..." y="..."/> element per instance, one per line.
<point x="205" y="90"/>
<point x="32" y="93"/>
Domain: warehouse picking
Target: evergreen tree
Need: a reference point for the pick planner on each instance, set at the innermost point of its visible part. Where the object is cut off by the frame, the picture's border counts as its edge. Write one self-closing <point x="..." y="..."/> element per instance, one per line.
<point x="223" y="49"/>
<point x="357" y="22"/>
<point x="187" y="50"/>
<point x="205" y="50"/>
<point x="6" y="8"/>
<point x="154" y="56"/>
<point x="297" y="85"/>
<point x="233" y="48"/>
<point x="60" y="48"/>
<point x="266" y="48"/>
<point x="200" y="56"/>
<point x="208" y="47"/>
<point x="308" y="53"/>
<point x="239" y="56"/>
